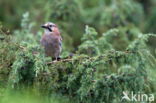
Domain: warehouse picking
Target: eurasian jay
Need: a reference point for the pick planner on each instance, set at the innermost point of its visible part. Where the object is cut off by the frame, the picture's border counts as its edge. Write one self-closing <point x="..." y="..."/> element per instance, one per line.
<point x="51" y="40"/>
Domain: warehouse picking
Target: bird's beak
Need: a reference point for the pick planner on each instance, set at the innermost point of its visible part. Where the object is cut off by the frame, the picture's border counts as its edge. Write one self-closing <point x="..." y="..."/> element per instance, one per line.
<point x="43" y="26"/>
<point x="46" y="27"/>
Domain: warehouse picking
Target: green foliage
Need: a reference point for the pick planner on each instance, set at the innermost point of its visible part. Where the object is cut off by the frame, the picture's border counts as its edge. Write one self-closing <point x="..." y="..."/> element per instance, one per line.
<point x="92" y="80"/>
<point x="89" y="42"/>
<point x="28" y="95"/>
<point x="7" y="56"/>
<point x="113" y="39"/>
<point x="100" y="14"/>
<point x="111" y="55"/>
<point x="30" y="59"/>
<point x="96" y="77"/>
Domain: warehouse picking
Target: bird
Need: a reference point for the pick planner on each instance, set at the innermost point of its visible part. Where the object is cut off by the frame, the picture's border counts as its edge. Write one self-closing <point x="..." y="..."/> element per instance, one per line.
<point x="51" y="40"/>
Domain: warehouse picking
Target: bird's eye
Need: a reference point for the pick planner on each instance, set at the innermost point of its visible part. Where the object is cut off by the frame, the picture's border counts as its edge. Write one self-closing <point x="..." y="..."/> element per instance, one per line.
<point x="50" y="25"/>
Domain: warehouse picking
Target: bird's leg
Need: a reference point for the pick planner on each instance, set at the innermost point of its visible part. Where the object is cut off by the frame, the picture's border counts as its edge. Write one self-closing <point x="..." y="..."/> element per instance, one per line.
<point x="54" y="59"/>
<point x="58" y="58"/>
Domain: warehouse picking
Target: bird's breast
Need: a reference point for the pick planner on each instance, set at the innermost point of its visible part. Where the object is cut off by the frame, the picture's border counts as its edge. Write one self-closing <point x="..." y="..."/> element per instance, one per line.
<point x="51" y="41"/>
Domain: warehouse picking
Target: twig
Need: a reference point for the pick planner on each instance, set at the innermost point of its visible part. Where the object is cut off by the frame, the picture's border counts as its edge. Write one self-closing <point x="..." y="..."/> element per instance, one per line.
<point x="63" y="60"/>
<point x="88" y="58"/>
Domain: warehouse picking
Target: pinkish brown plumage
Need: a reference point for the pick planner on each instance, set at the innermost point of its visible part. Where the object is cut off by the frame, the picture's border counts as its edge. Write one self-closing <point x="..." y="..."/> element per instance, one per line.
<point x="51" y="40"/>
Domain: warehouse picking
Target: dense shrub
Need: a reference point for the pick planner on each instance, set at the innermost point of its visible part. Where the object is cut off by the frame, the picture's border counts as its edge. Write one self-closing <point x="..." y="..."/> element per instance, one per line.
<point x="104" y="49"/>
<point x="100" y="74"/>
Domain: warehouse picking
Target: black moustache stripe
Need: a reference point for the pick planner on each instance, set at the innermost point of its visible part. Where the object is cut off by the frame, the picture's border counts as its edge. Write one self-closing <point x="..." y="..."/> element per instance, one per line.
<point x="49" y="29"/>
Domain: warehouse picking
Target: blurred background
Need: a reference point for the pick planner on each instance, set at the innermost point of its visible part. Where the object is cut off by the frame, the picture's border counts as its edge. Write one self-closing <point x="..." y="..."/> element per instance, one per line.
<point x="72" y="15"/>
<point x="89" y="28"/>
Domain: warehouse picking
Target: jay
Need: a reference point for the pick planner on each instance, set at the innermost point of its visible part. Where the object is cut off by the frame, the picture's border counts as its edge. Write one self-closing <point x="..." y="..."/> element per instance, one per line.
<point x="51" y="40"/>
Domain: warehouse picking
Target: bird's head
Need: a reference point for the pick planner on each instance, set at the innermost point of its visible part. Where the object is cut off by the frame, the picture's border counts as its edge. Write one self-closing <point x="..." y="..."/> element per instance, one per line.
<point x="49" y="27"/>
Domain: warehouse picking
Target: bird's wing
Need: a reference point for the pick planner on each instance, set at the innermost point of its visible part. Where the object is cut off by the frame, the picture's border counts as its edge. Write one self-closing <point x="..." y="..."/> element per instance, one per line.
<point x="60" y="41"/>
<point x="42" y="41"/>
<point x="57" y="37"/>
